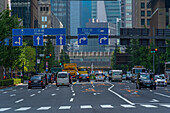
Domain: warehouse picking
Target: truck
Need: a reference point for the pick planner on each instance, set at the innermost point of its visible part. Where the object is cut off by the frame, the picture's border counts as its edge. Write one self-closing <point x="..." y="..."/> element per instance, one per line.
<point x="83" y="70"/>
<point x="71" y="68"/>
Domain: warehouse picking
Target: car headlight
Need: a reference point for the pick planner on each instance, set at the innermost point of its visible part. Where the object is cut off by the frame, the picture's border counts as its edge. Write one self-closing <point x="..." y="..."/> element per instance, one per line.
<point x="165" y="81"/>
<point x="156" y="81"/>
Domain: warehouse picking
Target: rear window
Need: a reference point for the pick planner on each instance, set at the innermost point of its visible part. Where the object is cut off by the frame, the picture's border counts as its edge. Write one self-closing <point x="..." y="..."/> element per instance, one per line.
<point x="117" y="73"/>
<point x="84" y="75"/>
<point x="36" y="78"/>
<point x="82" y="69"/>
<point x="62" y="75"/>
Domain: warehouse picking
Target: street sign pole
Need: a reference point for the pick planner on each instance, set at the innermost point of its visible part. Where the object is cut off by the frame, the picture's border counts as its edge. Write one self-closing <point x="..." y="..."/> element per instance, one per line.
<point x="36" y="59"/>
<point x="153" y="54"/>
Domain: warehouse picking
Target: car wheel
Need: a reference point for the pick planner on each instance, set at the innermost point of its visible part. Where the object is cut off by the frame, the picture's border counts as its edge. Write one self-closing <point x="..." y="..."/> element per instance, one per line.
<point x="96" y="81"/>
<point x="139" y="86"/>
<point x="57" y="85"/>
<point x="136" y="86"/>
<point x="43" y="87"/>
<point x="165" y="85"/>
<point x="68" y="86"/>
<point x="112" y="80"/>
<point x="155" y="88"/>
<point x="121" y="81"/>
<point x="29" y="87"/>
<point x="103" y="80"/>
<point x="151" y="88"/>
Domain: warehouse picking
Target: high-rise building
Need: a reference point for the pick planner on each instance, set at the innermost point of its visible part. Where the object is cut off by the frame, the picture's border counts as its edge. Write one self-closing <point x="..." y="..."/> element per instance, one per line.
<point x="160" y="18"/>
<point x="27" y="10"/>
<point x="106" y="11"/>
<point x="141" y="14"/>
<point x="126" y="13"/>
<point x="74" y="17"/>
<point x="4" y="4"/>
<point x="61" y="9"/>
<point x="85" y="12"/>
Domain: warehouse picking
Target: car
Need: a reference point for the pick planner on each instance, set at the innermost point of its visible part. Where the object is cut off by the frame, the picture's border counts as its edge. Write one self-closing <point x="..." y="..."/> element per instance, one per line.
<point x="110" y="74"/>
<point x="116" y="75"/>
<point x="37" y="81"/>
<point x="145" y="80"/>
<point x="128" y="76"/>
<point x="100" y="77"/>
<point x="123" y="77"/>
<point x="160" y="80"/>
<point x="84" y="77"/>
<point x="63" y="79"/>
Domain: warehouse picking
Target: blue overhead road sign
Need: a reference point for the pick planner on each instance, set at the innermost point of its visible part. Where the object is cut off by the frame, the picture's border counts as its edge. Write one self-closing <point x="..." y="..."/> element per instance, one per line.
<point x="38" y="31"/>
<point x="6" y="41"/>
<point x="103" y="40"/>
<point x="38" y="41"/>
<point x="82" y="39"/>
<point x="61" y="40"/>
<point x="93" y="31"/>
<point x="17" y="40"/>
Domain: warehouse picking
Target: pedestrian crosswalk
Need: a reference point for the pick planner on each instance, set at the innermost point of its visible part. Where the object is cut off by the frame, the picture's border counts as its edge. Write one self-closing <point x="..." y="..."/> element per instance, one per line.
<point x="67" y="107"/>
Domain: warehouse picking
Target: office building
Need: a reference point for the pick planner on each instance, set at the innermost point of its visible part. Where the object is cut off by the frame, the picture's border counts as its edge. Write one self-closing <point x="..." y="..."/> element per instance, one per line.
<point x="27" y="10"/>
<point x="126" y="13"/>
<point x="141" y="14"/>
<point x="4" y="4"/>
<point x="61" y="9"/>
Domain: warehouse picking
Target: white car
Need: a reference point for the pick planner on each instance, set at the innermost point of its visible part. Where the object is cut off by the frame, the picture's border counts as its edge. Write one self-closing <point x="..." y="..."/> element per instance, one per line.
<point x="116" y="75"/>
<point x="100" y="77"/>
<point x="63" y="78"/>
<point x="160" y="80"/>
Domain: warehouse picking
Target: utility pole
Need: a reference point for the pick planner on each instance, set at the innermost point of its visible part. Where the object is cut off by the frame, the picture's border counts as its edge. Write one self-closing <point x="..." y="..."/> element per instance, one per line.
<point x="36" y="59"/>
<point x="153" y="54"/>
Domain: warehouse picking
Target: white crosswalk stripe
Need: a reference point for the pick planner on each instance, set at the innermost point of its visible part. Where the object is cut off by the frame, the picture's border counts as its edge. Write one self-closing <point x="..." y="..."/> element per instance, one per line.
<point x="65" y="107"/>
<point x="23" y="109"/>
<point x="128" y="106"/>
<point x="85" y="106"/>
<point x="165" y="105"/>
<point x="106" y="106"/>
<point x="148" y="106"/>
<point x="44" y="108"/>
<point x="4" y="109"/>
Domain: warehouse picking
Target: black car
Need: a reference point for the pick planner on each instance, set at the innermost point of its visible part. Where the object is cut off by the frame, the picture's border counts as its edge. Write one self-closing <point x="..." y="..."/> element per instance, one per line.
<point x="37" y="81"/>
<point x="145" y="80"/>
<point x="84" y="77"/>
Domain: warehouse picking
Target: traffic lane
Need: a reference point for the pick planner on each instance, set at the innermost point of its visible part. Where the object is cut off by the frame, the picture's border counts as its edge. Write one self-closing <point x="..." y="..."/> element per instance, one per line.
<point x="96" y="93"/>
<point x="145" y="95"/>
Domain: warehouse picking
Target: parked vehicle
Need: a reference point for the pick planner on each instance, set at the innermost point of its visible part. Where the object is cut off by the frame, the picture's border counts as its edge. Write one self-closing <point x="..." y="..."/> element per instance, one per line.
<point x="63" y="78"/>
<point x="160" y="80"/>
<point x="116" y="75"/>
<point x="145" y="80"/>
<point x="37" y="81"/>
<point x="84" y="77"/>
<point x="100" y="77"/>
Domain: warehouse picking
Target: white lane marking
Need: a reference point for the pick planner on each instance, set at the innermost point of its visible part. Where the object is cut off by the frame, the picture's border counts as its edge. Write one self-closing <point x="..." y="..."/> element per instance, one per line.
<point x="46" y="87"/>
<point x="94" y="93"/>
<point x="148" y="106"/>
<point x="5" y="92"/>
<point x="32" y="95"/>
<point x="162" y="95"/>
<point x="39" y="91"/>
<point x="72" y="99"/>
<point x="23" y="109"/>
<point x="106" y="106"/>
<point x="57" y="89"/>
<point x="86" y="107"/>
<point x="127" y="106"/>
<point x="44" y="108"/>
<point x="119" y="95"/>
<point x="53" y="94"/>
<point x="74" y="94"/>
<point x="154" y="100"/>
<point x="72" y="89"/>
<point x="19" y="100"/>
<point x="64" y="107"/>
<point x="150" y="90"/>
<point x="4" y="109"/>
<point x="13" y="95"/>
<point x="29" y="90"/>
<point x="42" y="89"/>
<point x="50" y="86"/>
<point x="14" y="90"/>
<point x="165" y="105"/>
<point x="21" y="88"/>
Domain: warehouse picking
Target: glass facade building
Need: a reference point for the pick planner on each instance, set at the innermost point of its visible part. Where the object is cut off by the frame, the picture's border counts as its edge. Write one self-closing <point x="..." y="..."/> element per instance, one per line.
<point x="111" y="9"/>
<point x="61" y="9"/>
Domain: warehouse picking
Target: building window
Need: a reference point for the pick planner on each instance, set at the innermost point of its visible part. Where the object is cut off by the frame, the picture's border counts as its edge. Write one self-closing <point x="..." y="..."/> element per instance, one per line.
<point x="142" y="5"/>
<point x="45" y="18"/>
<point x="148" y="21"/>
<point x="42" y="26"/>
<point x="142" y="13"/>
<point x="42" y="18"/>
<point x="128" y="7"/>
<point x="129" y="1"/>
<point x="148" y="13"/>
<point x="142" y="21"/>
<point x="46" y="8"/>
<point x="45" y="26"/>
<point x="41" y="8"/>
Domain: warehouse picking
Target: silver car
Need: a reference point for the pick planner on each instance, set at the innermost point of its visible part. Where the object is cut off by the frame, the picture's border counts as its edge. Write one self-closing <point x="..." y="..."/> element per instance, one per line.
<point x="160" y="80"/>
<point x="100" y="77"/>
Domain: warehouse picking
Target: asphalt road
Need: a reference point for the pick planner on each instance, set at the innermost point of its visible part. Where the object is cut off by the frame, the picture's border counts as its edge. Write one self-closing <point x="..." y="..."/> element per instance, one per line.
<point x="85" y="97"/>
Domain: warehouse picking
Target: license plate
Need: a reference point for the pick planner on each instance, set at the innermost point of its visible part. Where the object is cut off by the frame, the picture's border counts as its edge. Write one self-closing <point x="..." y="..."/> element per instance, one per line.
<point x="62" y="83"/>
<point x="99" y="77"/>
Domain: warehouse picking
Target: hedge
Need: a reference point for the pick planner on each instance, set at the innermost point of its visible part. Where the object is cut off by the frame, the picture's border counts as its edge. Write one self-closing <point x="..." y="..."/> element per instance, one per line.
<point x="17" y="80"/>
<point x="6" y="82"/>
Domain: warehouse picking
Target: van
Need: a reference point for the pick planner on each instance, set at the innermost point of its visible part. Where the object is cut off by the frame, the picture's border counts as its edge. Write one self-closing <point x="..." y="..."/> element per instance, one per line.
<point x="63" y="78"/>
<point x="116" y="75"/>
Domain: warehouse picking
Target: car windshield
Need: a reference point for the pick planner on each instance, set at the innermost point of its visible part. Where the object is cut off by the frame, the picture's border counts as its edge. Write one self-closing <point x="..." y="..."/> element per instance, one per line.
<point x="84" y="75"/>
<point x="82" y="69"/>
<point x="144" y="77"/>
<point x="36" y="78"/>
<point x="116" y="73"/>
<point x="62" y="75"/>
<point x="160" y="77"/>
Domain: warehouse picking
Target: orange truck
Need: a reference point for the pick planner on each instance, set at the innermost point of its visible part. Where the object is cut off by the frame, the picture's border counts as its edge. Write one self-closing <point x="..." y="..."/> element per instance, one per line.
<point x="72" y="69"/>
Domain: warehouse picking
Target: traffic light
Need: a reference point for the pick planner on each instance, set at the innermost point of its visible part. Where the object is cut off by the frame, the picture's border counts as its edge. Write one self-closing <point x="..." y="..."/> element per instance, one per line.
<point x="156" y="50"/>
<point x="48" y="55"/>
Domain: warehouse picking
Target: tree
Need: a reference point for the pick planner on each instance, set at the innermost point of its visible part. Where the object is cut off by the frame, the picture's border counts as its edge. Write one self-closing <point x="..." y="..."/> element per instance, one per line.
<point x="64" y="57"/>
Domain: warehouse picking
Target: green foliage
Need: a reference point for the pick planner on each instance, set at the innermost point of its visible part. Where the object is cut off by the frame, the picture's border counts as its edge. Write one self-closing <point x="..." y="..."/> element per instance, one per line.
<point x="6" y="82"/>
<point x="64" y="58"/>
<point x="17" y="81"/>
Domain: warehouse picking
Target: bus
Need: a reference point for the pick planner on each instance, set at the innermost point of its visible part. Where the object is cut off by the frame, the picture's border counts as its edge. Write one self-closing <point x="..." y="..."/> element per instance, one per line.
<point x="135" y="71"/>
<point x="167" y="71"/>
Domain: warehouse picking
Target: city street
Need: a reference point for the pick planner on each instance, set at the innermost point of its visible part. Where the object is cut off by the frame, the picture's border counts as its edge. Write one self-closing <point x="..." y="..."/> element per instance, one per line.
<point x="91" y="97"/>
